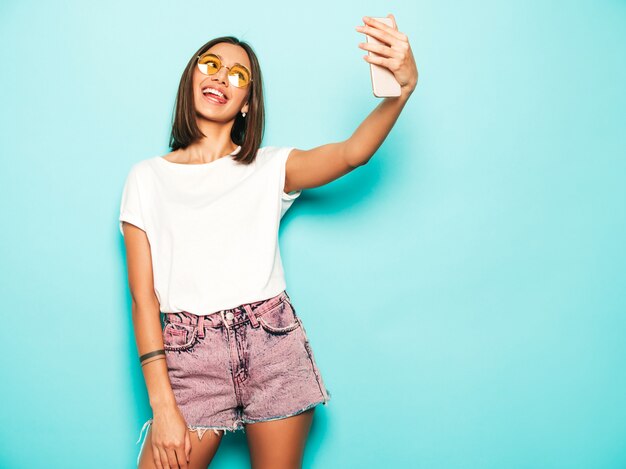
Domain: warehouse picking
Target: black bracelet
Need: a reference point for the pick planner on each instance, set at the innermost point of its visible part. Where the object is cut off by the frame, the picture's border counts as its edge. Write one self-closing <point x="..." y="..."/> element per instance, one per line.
<point x="151" y="354"/>
<point x="147" y="362"/>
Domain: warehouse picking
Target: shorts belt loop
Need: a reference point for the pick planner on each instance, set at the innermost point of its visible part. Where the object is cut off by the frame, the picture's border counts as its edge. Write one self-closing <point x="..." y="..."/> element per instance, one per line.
<point x="224" y="319"/>
<point x="253" y="320"/>
<point x="201" y="327"/>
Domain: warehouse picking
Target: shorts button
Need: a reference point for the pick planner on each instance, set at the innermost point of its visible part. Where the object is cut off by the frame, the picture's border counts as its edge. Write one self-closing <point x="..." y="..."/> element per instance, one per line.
<point x="229" y="315"/>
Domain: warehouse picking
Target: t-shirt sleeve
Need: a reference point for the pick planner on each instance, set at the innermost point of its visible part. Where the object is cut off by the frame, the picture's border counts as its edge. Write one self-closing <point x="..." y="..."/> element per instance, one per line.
<point x="130" y="208"/>
<point x="287" y="199"/>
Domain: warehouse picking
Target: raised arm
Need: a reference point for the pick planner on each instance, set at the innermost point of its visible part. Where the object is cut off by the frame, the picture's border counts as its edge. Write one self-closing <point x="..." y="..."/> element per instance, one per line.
<point x="320" y="165"/>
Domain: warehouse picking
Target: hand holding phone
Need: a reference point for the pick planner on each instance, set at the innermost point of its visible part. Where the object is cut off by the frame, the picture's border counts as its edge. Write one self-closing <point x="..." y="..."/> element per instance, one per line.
<point x="384" y="83"/>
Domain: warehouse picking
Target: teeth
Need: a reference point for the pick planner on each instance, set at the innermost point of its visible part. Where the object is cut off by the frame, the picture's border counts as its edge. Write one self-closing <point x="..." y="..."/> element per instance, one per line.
<point x="213" y="91"/>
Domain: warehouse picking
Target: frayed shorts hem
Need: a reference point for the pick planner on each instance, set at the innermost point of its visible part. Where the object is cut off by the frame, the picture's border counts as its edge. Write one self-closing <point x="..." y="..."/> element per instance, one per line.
<point x="277" y="417"/>
<point x="239" y="424"/>
<point x="202" y="429"/>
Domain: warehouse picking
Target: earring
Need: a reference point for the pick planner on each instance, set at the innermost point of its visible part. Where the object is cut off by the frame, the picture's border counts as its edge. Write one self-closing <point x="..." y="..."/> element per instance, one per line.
<point x="243" y="114"/>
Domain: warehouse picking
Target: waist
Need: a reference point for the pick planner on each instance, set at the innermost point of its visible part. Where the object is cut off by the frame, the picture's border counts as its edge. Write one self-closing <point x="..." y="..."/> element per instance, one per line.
<point x="236" y="315"/>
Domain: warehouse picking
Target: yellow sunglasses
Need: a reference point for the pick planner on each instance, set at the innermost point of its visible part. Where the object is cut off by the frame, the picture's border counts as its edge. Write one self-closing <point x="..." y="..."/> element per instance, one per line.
<point x="238" y="75"/>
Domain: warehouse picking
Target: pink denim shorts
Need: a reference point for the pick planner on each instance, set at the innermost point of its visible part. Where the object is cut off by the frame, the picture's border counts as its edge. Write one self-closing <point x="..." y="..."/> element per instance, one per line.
<point x="251" y="363"/>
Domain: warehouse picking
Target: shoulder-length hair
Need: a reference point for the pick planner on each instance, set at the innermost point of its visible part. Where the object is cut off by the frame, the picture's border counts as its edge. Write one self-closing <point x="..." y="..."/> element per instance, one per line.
<point x="247" y="131"/>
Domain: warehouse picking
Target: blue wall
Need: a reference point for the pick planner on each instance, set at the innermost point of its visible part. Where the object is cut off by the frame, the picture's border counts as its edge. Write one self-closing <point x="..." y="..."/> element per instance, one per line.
<point x="463" y="292"/>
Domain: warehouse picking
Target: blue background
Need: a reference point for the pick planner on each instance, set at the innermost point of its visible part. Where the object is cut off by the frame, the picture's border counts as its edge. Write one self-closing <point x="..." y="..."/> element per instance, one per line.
<point x="463" y="291"/>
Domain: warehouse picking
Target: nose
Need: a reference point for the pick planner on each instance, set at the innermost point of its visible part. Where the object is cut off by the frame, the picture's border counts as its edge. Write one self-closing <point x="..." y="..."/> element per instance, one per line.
<point x="222" y="75"/>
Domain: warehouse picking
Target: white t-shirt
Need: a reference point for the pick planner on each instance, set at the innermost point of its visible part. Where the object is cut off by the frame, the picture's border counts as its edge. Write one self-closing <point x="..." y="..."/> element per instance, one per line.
<point x="212" y="228"/>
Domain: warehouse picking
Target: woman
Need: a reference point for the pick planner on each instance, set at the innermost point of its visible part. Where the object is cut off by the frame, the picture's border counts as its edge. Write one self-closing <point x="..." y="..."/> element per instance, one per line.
<point x="200" y="226"/>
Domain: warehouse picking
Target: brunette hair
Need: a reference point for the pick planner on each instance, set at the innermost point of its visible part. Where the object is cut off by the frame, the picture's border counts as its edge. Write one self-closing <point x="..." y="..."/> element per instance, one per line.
<point x="247" y="131"/>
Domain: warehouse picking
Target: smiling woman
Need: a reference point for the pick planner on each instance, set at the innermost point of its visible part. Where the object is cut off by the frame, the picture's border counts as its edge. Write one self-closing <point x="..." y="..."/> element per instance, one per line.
<point x="200" y="226"/>
<point x="216" y="286"/>
<point x="219" y="64"/>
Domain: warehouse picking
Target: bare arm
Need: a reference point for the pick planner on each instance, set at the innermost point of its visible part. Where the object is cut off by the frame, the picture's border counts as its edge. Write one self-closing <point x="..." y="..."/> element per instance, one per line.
<point x="321" y="165"/>
<point x="146" y="316"/>
<point x="169" y="434"/>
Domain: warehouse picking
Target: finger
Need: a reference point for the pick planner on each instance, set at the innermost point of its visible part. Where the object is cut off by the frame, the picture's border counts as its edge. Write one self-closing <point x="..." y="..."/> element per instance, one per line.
<point x="171" y="459"/>
<point x="157" y="457"/>
<point x="377" y="60"/>
<point x="380" y="49"/>
<point x="187" y="447"/>
<point x="381" y="28"/>
<point x="393" y="18"/>
<point x="180" y="456"/>
<point x="164" y="459"/>
<point x="373" y="32"/>
<point x="378" y="34"/>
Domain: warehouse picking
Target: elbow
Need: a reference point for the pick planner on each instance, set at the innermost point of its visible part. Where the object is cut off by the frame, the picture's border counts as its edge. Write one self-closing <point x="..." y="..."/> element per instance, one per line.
<point x="354" y="161"/>
<point x="353" y="157"/>
<point x="357" y="163"/>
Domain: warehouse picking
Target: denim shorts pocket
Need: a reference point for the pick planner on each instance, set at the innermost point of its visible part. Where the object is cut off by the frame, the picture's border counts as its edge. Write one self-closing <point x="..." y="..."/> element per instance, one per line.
<point x="280" y="319"/>
<point x="179" y="336"/>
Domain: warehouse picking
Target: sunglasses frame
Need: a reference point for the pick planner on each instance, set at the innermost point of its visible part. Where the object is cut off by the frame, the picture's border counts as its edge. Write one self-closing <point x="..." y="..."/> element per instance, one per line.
<point x="222" y="65"/>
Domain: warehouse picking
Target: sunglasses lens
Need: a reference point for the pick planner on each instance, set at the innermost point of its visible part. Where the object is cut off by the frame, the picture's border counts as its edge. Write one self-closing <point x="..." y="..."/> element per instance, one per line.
<point x="209" y="64"/>
<point x="239" y="76"/>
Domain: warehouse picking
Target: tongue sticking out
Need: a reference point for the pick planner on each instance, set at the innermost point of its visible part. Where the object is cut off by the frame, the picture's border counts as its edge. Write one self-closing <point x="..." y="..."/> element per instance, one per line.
<point x="216" y="98"/>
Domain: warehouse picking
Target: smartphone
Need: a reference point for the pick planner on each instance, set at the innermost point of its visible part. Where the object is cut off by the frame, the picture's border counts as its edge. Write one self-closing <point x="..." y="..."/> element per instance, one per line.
<point x="384" y="83"/>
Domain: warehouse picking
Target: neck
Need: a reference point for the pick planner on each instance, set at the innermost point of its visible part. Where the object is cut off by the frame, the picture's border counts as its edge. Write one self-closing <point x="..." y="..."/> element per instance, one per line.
<point x="214" y="145"/>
